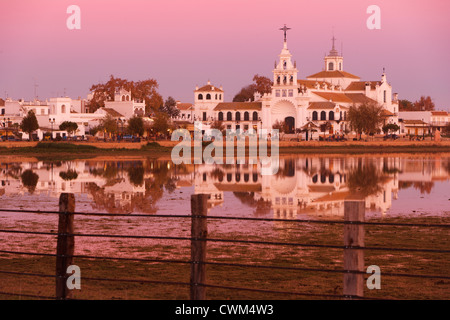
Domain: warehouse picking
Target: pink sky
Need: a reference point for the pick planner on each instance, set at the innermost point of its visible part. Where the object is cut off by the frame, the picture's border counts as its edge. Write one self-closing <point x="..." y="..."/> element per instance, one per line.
<point x="183" y="43"/>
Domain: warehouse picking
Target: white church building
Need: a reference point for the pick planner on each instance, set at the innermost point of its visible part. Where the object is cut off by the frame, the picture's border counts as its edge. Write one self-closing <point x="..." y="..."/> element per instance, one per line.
<point x="325" y="96"/>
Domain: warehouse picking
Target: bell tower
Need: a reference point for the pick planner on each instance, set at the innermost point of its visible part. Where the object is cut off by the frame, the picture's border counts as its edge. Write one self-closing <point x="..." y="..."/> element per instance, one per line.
<point x="285" y="72"/>
<point x="333" y="61"/>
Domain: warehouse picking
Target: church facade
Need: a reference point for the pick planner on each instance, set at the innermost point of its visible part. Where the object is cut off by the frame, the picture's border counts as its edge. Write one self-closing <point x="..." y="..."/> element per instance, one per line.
<point x="322" y="98"/>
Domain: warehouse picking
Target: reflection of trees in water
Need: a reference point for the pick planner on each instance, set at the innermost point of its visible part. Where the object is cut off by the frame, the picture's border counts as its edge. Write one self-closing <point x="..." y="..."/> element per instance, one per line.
<point x="159" y="180"/>
<point x="29" y="180"/>
<point x="248" y="198"/>
<point x="109" y="171"/>
<point x="13" y="170"/>
<point x="446" y="166"/>
<point x="424" y="187"/>
<point x="366" y="179"/>
<point x="136" y="175"/>
<point x="68" y="175"/>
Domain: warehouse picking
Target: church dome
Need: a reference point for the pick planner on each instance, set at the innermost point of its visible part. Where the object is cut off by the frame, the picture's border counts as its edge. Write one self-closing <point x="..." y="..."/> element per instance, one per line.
<point x="283" y="185"/>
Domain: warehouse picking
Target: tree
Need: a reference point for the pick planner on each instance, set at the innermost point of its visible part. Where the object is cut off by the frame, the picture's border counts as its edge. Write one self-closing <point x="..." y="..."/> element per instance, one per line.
<point x="366" y="118"/>
<point x="29" y="124"/>
<point x="161" y="123"/>
<point x="281" y="127"/>
<point x="261" y="84"/>
<point x="405" y="105"/>
<point x="68" y="126"/>
<point x="136" y="126"/>
<point x="246" y="94"/>
<point x="324" y="127"/>
<point x="393" y="127"/>
<point x="145" y="90"/>
<point x="109" y="124"/>
<point x="170" y="107"/>
<point x="424" y="104"/>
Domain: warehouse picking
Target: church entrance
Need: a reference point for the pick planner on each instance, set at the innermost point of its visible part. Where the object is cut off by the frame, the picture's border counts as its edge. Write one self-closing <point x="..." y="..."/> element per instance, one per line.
<point x="290" y="124"/>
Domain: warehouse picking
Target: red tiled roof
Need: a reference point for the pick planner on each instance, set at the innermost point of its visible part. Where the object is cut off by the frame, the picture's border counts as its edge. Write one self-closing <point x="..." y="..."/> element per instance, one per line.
<point x="208" y="87"/>
<point x="386" y="113"/>
<point x="439" y="113"/>
<point x="112" y="112"/>
<point x="334" y="96"/>
<point x="333" y="74"/>
<point x="321" y="105"/>
<point x="184" y="106"/>
<point x="361" y="85"/>
<point x="344" y="97"/>
<point x="360" y="98"/>
<point x="414" y="122"/>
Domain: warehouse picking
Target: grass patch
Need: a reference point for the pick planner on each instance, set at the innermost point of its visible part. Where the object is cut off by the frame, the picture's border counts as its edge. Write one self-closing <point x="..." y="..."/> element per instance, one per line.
<point x="63" y="146"/>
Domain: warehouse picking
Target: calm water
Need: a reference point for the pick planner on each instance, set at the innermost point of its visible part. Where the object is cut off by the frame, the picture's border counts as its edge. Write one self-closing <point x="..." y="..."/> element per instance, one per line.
<point x="304" y="187"/>
<point x="307" y="187"/>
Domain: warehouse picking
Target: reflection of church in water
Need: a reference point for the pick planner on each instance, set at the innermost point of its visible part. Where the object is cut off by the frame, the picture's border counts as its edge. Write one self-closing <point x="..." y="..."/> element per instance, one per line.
<point x="301" y="186"/>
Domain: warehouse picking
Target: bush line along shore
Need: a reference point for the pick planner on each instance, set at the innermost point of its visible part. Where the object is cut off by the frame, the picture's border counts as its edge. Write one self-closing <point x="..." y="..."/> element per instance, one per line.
<point x="162" y="148"/>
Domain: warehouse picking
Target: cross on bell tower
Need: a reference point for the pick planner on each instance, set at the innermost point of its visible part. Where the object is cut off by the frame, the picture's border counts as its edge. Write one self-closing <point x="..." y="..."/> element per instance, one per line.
<point x="285" y="29"/>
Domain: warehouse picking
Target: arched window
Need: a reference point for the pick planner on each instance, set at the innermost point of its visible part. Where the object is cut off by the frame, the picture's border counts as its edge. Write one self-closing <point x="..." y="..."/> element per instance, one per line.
<point x="246" y="116"/>
<point x="128" y="98"/>
<point x="220" y="116"/>
<point x="123" y="98"/>
<point x="323" y="115"/>
<point x="208" y="97"/>
<point x="63" y="108"/>
<point x="216" y="96"/>
<point x="220" y="97"/>
<point x="246" y="177"/>
<point x="331" y="178"/>
<point x="315" y="178"/>
<point x="238" y="177"/>
<point x="340" y="66"/>
<point x="323" y="178"/>
<point x="331" y="115"/>
<point x="255" y="177"/>
<point x="315" y="116"/>
<point x="229" y="177"/>
<point x="330" y="66"/>
<point x="255" y="116"/>
<point x="200" y="97"/>
<point x="229" y="116"/>
<point x="238" y="116"/>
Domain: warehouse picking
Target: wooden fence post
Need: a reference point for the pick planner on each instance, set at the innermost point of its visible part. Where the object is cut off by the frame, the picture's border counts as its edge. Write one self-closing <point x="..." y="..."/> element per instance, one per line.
<point x="354" y="211"/>
<point x="199" y="230"/>
<point x="65" y="245"/>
